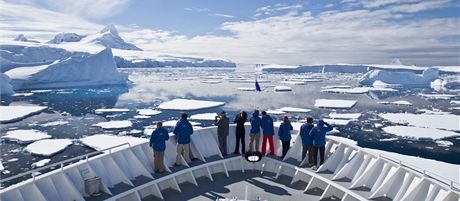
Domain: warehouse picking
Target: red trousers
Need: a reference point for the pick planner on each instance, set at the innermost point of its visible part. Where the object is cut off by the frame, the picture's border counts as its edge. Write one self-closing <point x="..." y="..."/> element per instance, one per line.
<point x="264" y="143"/>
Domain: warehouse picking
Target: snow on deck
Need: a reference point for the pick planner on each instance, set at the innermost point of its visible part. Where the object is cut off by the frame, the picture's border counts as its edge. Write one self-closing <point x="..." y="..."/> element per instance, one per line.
<point x="440" y="121"/>
<point x="114" y="124"/>
<point x="104" y="141"/>
<point x="335" y="103"/>
<point x="148" y="112"/>
<point x="25" y="136"/>
<point x="48" y="147"/>
<point x="16" y="113"/>
<point x="204" y="116"/>
<point x="416" y="132"/>
<point x="188" y="104"/>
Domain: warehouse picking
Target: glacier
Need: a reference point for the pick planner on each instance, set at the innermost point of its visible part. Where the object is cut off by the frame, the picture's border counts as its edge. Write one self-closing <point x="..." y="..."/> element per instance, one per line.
<point x="79" y="70"/>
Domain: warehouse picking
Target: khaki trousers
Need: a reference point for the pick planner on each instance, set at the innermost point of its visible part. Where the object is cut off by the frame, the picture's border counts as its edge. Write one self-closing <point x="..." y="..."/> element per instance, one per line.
<point x="184" y="150"/>
<point x="159" y="161"/>
<point x="254" y="137"/>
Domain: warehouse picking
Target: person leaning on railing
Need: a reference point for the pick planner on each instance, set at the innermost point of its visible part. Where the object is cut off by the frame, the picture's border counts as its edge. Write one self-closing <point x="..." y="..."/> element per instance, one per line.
<point x="157" y="142"/>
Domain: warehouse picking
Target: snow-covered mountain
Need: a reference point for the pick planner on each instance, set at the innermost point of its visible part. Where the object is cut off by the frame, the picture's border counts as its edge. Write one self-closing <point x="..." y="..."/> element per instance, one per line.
<point x="23" y="38"/>
<point x="109" y="37"/>
<point x="78" y="70"/>
<point x="65" y="37"/>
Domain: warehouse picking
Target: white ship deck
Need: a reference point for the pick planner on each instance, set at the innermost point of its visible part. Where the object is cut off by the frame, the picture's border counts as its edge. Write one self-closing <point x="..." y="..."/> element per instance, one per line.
<point x="349" y="173"/>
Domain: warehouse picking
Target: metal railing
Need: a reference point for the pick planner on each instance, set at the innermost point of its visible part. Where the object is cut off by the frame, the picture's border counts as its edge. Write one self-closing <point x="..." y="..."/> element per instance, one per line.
<point x="61" y="163"/>
<point x="455" y="186"/>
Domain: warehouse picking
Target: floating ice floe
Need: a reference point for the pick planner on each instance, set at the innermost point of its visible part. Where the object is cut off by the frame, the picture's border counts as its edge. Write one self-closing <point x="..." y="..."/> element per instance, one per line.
<point x="142" y="117"/>
<point x="419" y="133"/>
<point x="246" y="89"/>
<point x="110" y="110"/>
<point x="1" y="166"/>
<point x="337" y="122"/>
<point x="40" y="163"/>
<point x="294" y="82"/>
<point x="23" y="94"/>
<point x="104" y="141"/>
<point x="48" y="147"/>
<point x="211" y="81"/>
<point x="400" y="102"/>
<point x="437" y="96"/>
<point x="345" y="115"/>
<point x="16" y="113"/>
<point x="455" y="108"/>
<point x="455" y="102"/>
<point x="172" y="123"/>
<point x="134" y="131"/>
<point x="275" y="112"/>
<point x="357" y="90"/>
<point x="148" y="112"/>
<point x="25" y="136"/>
<point x="444" y="143"/>
<point x="55" y="123"/>
<point x="441" y="121"/>
<point x="335" y="103"/>
<point x="204" y="116"/>
<point x="388" y="139"/>
<point x="378" y="125"/>
<point x="114" y="124"/>
<point x="282" y="88"/>
<point x="189" y="104"/>
<point x="294" y="110"/>
<point x="434" y="111"/>
<point x="336" y="86"/>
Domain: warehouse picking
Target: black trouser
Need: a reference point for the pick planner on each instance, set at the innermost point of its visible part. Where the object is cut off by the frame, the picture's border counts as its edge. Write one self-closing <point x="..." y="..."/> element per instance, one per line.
<point x="321" y="155"/>
<point x="286" y="145"/>
<point x="308" y="149"/>
<point x="240" y="137"/>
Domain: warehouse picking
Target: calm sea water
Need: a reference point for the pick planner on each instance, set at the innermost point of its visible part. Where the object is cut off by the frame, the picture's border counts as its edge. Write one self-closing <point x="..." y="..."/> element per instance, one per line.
<point x="150" y="87"/>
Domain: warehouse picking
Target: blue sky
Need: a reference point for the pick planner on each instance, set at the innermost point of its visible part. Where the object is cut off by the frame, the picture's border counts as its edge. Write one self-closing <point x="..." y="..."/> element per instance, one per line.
<point x="422" y="32"/>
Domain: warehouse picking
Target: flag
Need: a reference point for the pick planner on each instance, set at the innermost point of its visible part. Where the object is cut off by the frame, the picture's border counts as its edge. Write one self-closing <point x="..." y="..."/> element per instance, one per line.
<point x="257" y="86"/>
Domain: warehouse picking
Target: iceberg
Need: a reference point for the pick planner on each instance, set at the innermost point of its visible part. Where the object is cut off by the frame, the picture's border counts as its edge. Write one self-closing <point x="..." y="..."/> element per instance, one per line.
<point x="25" y="136"/>
<point x="5" y="88"/>
<point x="189" y="104"/>
<point x="440" y="121"/>
<point x="335" y="103"/>
<point x="419" y="133"/>
<point x="275" y="112"/>
<point x="407" y="79"/>
<point x="65" y="37"/>
<point x="380" y="84"/>
<point x="16" y="113"/>
<point x="114" y="124"/>
<point x="48" y="147"/>
<point x="109" y="38"/>
<point x="23" y="38"/>
<point x="76" y="71"/>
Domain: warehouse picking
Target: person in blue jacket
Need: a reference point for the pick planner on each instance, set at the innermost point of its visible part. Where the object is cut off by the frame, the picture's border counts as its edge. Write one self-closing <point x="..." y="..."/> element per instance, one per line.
<point x="183" y="131"/>
<point x="254" y="134"/>
<point x="318" y="133"/>
<point x="268" y="132"/>
<point x="307" y="140"/>
<point x="284" y="133"/>
<point x="157" y="142"/>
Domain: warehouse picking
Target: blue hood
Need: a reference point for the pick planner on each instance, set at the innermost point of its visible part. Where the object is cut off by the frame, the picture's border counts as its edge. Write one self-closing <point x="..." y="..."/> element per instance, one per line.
<point x="320" y="123"/>
<point x="255" y="114"/>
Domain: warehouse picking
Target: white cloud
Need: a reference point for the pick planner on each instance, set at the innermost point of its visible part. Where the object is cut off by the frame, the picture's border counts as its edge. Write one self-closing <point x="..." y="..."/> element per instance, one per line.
<point x="197" y="9"/>
<point x="89" y="9"/>
<point x="277" y="8"/>
<point x="417" y="7"/>
<point x="221" y="15"/>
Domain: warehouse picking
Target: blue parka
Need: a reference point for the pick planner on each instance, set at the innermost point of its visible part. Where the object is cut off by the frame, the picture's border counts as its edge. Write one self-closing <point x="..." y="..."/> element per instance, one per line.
<point x="267" y="125"/>
<point x="183" y="131"/>
<point x="158" y="138"/>
<point x="318" y="133"/>
<point x="255" y="123"/>
<point x="307" y="140"/>
<point x="285" y="131"/>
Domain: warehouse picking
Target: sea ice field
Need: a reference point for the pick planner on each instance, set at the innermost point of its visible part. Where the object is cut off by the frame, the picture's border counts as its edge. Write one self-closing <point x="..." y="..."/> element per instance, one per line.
<point x="418" y="122"/>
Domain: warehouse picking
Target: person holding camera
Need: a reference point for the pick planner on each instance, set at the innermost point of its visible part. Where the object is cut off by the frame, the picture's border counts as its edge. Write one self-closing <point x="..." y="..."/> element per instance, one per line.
<point x="222" y="123"/>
